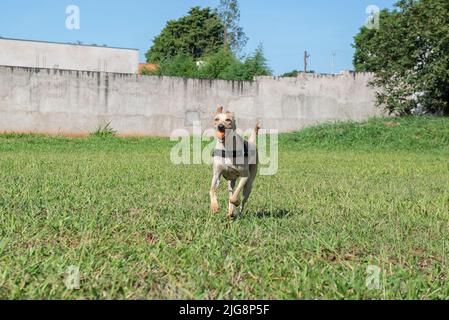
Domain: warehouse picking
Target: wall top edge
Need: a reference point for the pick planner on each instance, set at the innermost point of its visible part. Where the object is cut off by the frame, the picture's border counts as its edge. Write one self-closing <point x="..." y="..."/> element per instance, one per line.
<point x="134" y="75"/>
<point x="67" y="44"/>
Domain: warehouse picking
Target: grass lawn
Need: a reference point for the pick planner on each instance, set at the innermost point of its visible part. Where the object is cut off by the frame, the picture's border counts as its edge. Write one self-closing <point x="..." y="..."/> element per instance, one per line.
<point x="347" y="196"/>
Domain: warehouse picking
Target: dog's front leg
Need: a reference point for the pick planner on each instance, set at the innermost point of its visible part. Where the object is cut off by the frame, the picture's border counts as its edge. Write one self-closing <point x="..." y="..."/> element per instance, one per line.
<point x="235" y="197"/>
<point x="213" y="193"/>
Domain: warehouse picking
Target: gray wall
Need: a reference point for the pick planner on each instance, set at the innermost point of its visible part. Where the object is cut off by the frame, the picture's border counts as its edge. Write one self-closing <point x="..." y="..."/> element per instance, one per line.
<point x="36" y="54"/>
<point x="77" y="103"/>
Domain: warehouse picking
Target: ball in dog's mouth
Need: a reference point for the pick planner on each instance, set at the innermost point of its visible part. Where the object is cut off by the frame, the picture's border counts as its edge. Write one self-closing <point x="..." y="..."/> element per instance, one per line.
<point x="220" y="135"/>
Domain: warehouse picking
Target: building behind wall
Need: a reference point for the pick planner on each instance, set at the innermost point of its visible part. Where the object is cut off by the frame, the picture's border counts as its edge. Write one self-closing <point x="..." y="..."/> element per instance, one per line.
<point x="53" y="55"/>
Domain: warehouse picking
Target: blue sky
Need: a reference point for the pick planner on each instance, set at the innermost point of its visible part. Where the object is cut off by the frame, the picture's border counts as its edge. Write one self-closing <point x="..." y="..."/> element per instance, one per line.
<point x="285" y="27"/>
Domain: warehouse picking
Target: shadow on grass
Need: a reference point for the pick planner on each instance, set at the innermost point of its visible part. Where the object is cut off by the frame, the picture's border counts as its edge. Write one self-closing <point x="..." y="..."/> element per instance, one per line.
<point x="278" y="214"/>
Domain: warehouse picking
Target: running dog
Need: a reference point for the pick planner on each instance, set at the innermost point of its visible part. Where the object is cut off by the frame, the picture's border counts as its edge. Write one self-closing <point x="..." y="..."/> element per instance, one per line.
<point x="234" y="158"/>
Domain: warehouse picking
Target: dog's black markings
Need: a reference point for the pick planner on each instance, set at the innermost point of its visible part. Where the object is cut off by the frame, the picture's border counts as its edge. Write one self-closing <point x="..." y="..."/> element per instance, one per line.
<point x="234" y="153"/>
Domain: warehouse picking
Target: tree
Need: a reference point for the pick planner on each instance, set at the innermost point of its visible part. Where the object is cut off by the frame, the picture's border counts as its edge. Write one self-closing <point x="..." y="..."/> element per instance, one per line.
<point x="233" y="35"/>
<point x="256" y="65"/>
<point x="364" y="43"/>
<point x="194" y="47"/>
<point x="200" y="32"/>
<point x="409" y="55"/>
<point x="222" y="65"/>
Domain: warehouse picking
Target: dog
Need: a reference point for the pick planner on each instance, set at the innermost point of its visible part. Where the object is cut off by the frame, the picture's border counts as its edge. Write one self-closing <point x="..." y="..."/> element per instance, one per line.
<point x="234" y="158"/>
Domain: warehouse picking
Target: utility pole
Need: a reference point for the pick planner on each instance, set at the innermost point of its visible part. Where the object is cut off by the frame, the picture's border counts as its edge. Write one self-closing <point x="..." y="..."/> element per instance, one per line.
<point x="306" y="58"/>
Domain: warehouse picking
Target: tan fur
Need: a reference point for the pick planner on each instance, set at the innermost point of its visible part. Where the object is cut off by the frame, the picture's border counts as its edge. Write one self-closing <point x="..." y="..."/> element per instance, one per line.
<point x="215" y="206"/>
<point x="230" y="169"/>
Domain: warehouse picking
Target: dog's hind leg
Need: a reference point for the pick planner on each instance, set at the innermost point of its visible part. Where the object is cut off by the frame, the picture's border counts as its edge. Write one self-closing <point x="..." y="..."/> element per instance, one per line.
<point x="248" y="187"/>
<point x="231" y="207"/>
<point x="246" y="193"/>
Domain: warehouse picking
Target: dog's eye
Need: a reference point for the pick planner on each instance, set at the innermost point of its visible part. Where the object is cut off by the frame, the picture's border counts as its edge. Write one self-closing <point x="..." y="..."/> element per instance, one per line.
<point x="228" y="120"/>
<point x="216" y="119"/>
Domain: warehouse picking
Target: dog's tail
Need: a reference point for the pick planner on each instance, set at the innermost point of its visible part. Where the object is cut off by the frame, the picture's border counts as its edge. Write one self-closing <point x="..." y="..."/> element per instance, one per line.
<point x="255" y="133"/>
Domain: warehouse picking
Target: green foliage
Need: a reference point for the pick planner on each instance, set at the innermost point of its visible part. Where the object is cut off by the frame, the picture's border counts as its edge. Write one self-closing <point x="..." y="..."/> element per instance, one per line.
<point x="104" y="132"/>
<point x="366" y="57"/>
<point x="234" y="37"/>
<point x="179" y="66"/>
<point x="206" y="44"/>
<point x="224" y="65"/>
<point x="294" y="73"/>
<point x="409" y="55"/>
<point x="220" y="65"/>
<point x="200" y="32"/>
<point x="256" y="65"/>
<point x="291" y="74"/>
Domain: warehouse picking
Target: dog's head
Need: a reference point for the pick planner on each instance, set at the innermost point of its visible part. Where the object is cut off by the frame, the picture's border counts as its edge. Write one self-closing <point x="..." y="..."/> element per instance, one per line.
<point x="224" y="122"/>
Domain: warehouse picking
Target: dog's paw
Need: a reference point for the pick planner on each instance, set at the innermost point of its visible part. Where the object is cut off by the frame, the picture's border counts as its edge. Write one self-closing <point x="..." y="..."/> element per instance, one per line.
<point x="234" y="214"/>
<point x="231" y="214"/>
<point x="215" y="207"/>
<point x="235" y="201"/>
<point x="231" y="211"/>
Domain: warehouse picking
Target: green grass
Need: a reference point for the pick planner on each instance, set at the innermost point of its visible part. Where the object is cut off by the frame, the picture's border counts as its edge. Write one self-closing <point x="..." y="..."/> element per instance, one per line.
<point x="346" y="196"/>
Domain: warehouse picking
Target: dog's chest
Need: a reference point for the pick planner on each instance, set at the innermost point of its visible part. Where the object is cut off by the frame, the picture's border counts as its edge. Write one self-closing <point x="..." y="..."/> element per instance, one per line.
<point x="232" y="171"/>
<point x="230" y="159"/>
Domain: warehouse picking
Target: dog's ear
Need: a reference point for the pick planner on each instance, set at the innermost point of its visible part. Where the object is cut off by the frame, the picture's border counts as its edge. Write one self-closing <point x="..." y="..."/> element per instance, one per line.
<point x="219" y="110"/>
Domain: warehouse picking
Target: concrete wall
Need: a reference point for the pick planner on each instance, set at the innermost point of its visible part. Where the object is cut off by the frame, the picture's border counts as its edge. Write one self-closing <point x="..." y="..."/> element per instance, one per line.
<point x="76" y="102"/>
<point x="36" y="54"/>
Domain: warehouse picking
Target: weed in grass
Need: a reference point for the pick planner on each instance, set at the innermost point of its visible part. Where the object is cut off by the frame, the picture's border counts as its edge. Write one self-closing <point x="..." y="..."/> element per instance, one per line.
<point x="104" y="132"/>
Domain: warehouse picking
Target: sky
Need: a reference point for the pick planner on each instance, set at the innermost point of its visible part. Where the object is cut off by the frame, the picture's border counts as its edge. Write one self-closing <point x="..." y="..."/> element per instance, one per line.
<point x="325" y="28"/>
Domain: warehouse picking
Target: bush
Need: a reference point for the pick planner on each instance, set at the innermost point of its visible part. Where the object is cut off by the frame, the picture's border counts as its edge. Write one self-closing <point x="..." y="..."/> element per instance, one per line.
<point x="221" y="65"/>
<point x="180" y="66"/>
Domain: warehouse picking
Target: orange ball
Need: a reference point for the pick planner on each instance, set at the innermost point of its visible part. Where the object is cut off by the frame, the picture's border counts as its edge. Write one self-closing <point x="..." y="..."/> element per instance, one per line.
<point x="220" y="135"/>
